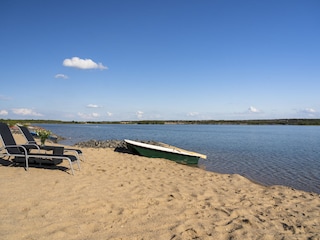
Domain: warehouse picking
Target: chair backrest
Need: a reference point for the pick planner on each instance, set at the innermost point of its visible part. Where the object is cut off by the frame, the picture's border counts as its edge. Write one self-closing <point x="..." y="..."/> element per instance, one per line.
<point x="27" y="134"/>
<point x="7" y="139"/>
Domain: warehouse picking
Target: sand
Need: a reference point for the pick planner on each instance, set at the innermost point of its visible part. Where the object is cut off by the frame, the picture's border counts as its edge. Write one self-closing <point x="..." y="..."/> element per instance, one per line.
<point x="124" y="196"/>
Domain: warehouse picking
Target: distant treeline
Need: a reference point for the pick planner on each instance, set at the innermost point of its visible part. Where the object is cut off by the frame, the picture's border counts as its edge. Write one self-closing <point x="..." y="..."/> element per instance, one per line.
<point x="12" y="122"/>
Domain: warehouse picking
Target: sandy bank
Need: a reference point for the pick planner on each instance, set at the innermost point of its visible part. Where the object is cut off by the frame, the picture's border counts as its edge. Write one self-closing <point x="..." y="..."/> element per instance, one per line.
<point x="123" y="196"/>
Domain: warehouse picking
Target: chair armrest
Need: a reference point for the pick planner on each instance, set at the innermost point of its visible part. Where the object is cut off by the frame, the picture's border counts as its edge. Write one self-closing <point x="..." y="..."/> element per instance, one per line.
<point x="17" y="146"/>
<point x="29" y="146"/>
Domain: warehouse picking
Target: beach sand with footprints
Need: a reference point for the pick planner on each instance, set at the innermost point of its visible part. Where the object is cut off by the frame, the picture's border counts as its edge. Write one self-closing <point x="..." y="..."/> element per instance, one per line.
<point x="123" y="196"/>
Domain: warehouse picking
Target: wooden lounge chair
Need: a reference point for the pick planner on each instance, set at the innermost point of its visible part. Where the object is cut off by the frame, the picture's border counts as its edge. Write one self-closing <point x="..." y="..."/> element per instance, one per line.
<point x="11" y="149"/>
<point x="30" y="140"/>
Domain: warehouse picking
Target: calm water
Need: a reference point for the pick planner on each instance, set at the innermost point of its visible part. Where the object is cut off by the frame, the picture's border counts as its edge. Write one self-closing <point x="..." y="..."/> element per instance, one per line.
<point x="270" y="155"/>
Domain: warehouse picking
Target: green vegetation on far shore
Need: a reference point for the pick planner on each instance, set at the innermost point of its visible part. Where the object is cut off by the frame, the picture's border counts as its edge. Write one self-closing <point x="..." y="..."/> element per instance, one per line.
<point x="313" y="122"/>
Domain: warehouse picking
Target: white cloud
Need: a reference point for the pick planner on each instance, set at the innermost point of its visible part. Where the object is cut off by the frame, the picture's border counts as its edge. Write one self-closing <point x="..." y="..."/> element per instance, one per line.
<point x="88" y="115"/>
<point x="92" y="106"/>
<point x="25" y="112"/>
<point x="139" y="114"/>
<point x="309" y="110"/>
<point x="3" y="112"/>
<point x="192" y="114"/>
<point x="83" y="63"/>
<point x="109" y="114"/>
<point x="60" y="75"/>
<point x="253" y="110"/>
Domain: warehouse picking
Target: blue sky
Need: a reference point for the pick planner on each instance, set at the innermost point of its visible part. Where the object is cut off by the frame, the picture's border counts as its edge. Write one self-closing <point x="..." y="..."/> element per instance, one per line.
<point x="118" y="60"/>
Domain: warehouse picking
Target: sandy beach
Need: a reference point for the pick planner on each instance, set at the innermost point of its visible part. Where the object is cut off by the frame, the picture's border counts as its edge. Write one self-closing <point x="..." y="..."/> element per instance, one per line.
<point x="124" y="196"/>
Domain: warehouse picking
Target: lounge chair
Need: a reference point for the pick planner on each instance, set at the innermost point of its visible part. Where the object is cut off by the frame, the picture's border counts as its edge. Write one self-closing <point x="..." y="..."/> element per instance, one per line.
<point x="11" y="149"/>
<point x="30" y="140"/>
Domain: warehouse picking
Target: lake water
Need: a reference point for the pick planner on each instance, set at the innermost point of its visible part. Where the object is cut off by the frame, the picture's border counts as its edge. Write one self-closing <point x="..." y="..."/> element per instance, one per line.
<point x="270" y="155"/>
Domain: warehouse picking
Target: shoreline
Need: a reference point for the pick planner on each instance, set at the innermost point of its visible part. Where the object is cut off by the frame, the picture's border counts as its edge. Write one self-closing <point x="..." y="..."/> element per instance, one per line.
<point x="120" y="146"/>
<point x="281" y="121"/>
<point x="123" y="196"/>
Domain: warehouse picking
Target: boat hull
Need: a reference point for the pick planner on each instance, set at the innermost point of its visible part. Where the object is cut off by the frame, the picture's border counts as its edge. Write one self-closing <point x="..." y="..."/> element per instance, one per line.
<point x="154" y="153"/>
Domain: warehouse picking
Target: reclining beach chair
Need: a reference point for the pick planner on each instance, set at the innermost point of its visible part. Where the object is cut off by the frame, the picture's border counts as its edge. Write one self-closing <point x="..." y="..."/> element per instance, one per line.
<point x="11" y="149"/>
<point x="30" y="140"/>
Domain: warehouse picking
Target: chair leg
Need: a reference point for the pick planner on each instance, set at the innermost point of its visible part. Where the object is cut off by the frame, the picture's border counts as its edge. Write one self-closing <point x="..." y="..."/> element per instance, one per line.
<point x="27" y="163"/>
<point x="78" y="162"/>
<point x="71" y="167"/>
